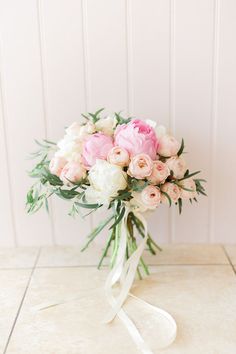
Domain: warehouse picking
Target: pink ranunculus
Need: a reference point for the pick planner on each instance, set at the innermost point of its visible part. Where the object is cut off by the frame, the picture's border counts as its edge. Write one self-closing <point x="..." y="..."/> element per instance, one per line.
<point x="159" y="173"/>
<point x="56" y="165"/>
<point x="137" y="137"/>
<point x="168" y="146"/>
<point x="118" y="156"/>
<point x="151" y="196"/>
<point x="188" y="189"/>
<point x="172" y="190"/>
<point x="177" y="165"/>
<point x="96" y="147"/>
<point x="72" y="172"/>
<point x="140" y="166"/>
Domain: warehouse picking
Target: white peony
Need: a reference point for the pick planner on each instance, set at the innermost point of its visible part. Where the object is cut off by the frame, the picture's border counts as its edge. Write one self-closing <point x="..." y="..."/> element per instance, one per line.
<point x="105" y="181"/>
<point x="106" y="125"/>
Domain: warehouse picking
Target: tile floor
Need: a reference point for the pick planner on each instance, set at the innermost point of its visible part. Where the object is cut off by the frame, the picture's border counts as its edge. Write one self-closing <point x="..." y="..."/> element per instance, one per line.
<point x="195" y="283"/>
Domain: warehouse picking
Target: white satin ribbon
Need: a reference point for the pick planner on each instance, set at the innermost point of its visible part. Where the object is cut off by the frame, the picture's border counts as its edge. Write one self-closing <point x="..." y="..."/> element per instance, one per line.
<point x="124" y="273"/>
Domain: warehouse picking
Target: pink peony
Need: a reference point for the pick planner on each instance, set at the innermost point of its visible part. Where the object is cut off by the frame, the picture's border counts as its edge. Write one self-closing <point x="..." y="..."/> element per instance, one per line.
<point x="140" y="166"/>
<point x="56" y="165"/>
<point x="118" y="156"/>
<point x="96" y="147"/>
<point x="137" y="137"/>
<point x="159" y="173"/>
<point x="72" y="172"/>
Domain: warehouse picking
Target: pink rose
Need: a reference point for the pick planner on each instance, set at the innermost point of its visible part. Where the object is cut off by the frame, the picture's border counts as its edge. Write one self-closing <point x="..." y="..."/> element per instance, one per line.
<point x="172" y="190"/>
<point x="96" y="147"/>
<point x="188" y="189"/>
<point x="137" y="137"/>
<point x="168" y="146"/>
<point x="149" y="198"/>
<point x="72" y="172"/>
<point x="140" y="166"/>
<point x="159" y="173"/>
<point x="118" y="156"/>
<point x="56" y="165"/>
<point x="177" y="165"/>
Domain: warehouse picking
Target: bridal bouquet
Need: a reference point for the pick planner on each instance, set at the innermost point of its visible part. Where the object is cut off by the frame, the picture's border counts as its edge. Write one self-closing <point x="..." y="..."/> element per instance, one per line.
<point x="128" y="165"/>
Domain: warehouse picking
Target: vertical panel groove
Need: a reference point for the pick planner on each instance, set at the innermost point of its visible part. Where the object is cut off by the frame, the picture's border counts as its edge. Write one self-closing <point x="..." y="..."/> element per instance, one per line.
<point x="171" y="235"/>
<point x="87" y="91"/>
<point x="129" y="59"/>
<point x="44" y="97"/>
<point x="214" y="102"/>
<point x="4" y="116"/>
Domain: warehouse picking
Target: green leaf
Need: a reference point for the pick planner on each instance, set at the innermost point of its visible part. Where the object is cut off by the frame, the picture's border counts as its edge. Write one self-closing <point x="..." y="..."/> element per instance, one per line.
<point x="181" y="148"/>
<point x="180" y="203"/>
<point x="88" y="206"/>
<point x="167" y="196"/>
<point x="120" y="216"/>
<point x="190" y="175"/>
<point x="67" y="193"/>
<point x="97" y="230"/>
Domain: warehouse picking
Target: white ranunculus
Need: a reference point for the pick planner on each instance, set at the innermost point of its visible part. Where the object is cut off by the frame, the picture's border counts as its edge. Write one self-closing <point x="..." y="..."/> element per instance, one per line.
<point x="106" y="125"/>
<point x="105" y="180"/>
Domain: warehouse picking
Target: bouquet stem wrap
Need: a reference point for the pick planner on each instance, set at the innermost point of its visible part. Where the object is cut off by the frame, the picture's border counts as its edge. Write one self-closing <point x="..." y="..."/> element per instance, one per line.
<point x="123" y="272"/>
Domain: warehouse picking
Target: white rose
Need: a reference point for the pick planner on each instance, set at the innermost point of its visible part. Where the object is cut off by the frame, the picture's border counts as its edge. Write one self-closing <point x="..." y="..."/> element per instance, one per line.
<point x="76" y="130"/>
<point x="105" y="180"/>
<point x="106" y="125"/>
<point x="190" y="188"/>
<point x="177" y="165"/>
<point x="86" y="129"/>
<point x="69" y="147"/>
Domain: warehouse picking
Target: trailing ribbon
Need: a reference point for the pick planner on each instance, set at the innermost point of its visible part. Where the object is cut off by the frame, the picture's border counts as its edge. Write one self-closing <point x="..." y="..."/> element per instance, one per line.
<point x="124" y="272"/>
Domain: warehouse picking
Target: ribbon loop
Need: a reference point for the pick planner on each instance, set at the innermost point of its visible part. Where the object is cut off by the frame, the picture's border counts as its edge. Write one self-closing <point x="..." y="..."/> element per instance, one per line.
<point x="124" y="273"/>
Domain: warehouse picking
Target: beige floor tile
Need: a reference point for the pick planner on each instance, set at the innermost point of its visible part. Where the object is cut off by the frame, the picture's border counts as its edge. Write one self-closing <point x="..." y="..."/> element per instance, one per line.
<point x="201" y="298"/>
<point x="171" y="254"/>
<point x="188" y="254"/>
<point x="63" y="256"/>
<point x="12" y="287"/>
<point x="22" y="257"/>
<point x="231" y="251"/>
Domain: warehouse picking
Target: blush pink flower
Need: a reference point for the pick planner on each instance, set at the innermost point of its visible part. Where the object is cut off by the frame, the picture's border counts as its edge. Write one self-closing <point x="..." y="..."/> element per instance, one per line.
<point x="72" y="172"/>
<point x="148" y="199"/>
<point x="137" y="137"/>
<point x="140" y="166"/>
<point x="168" y="146"/>
<point x="56" y="165"/>
<point x="188" y="189"/>
<point x="159" y="173"/>
<point x="118" y="156"/>
<point x="96" y="147"/>
<point x="172" y="190"/>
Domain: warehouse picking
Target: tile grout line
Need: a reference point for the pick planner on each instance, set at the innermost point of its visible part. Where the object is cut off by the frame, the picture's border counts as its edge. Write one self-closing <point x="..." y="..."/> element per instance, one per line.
<point x="228" y="257"/>
<point x="22" y="301"/>
<point x="104" y="267"/>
